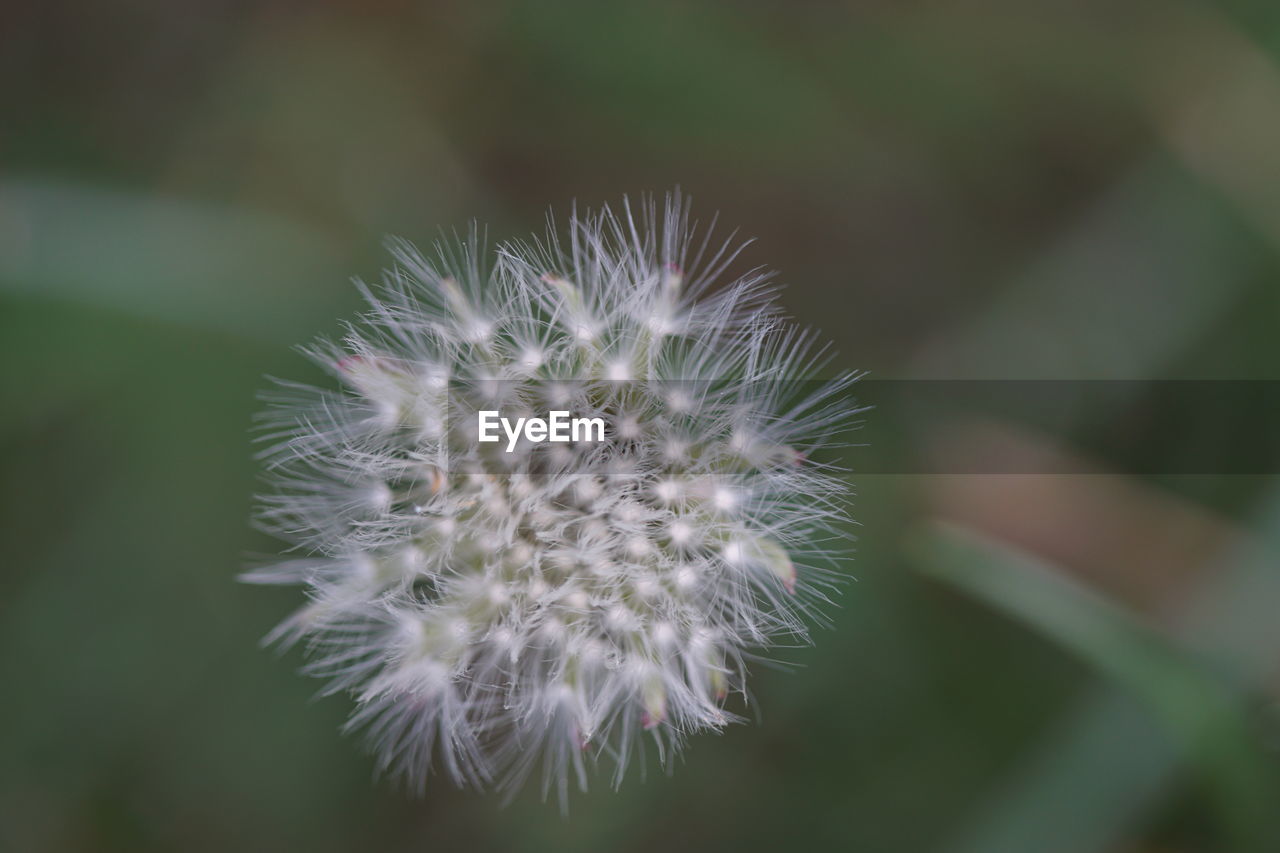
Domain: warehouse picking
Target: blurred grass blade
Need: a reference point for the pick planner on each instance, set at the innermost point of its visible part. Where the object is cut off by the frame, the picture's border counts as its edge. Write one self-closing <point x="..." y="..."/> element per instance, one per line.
<point x="1205" y="719"/>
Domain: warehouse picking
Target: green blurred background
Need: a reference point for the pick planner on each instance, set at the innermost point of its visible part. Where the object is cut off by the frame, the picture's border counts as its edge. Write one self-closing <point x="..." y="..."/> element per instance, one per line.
<point x="954" y="189"/>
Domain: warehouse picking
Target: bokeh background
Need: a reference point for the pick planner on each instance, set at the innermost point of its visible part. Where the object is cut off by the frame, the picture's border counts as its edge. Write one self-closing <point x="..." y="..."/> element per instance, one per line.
<point x="1079" y="656"/>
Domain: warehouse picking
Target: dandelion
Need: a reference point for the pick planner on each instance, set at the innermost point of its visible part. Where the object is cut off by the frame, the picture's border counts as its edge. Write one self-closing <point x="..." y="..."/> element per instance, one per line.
<point x="501" y="609"/>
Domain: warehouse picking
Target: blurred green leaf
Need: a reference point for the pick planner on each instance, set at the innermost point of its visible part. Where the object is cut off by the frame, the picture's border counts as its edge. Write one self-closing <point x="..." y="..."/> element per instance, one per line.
<point x="209" y="266"/>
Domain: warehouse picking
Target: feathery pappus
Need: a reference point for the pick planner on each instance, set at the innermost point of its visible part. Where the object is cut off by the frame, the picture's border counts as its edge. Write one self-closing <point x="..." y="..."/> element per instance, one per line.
<point x="500" y="609"/>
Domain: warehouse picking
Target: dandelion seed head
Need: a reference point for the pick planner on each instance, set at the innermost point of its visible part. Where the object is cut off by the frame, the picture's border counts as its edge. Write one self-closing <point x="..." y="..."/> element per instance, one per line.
<point x="558" y="606"/>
